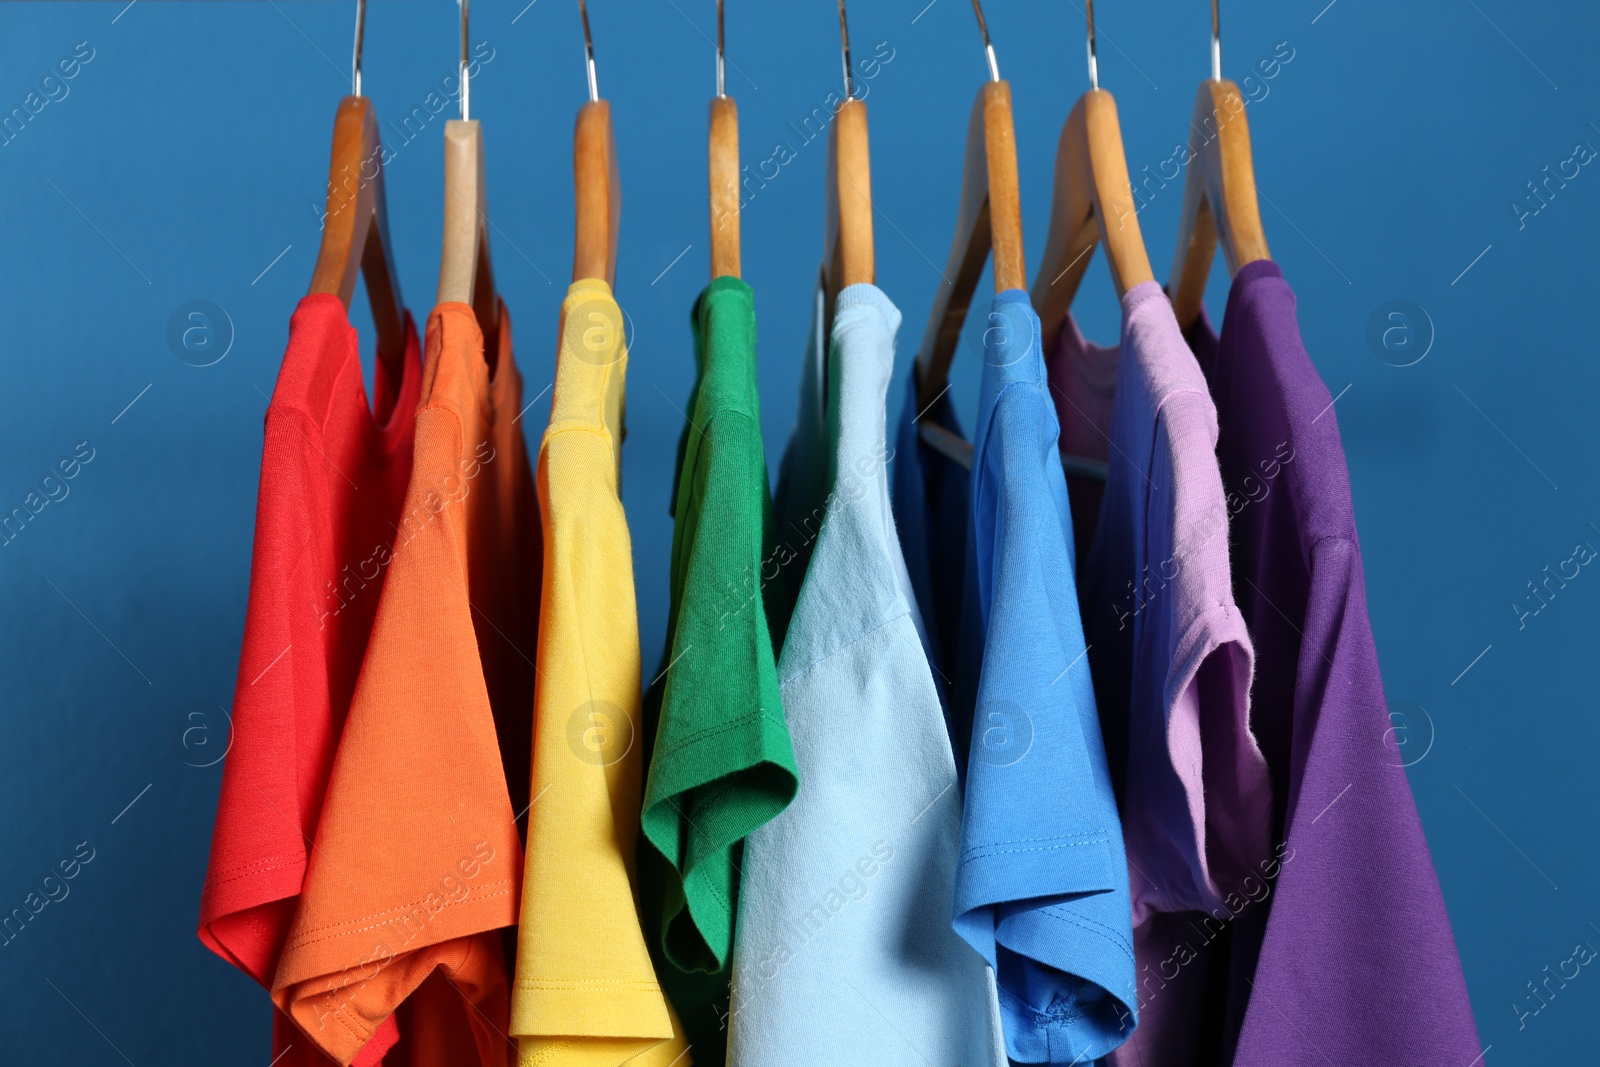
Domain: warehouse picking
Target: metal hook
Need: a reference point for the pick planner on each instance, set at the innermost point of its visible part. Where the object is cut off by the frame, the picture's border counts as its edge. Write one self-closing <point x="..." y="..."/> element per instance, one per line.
<point x="464" y="108"/>
<point x="588" y="51"/>
<point x="355" y="56"/>
<point x="1216" y="43"/>
<point x="721" y="83"/>
<point x="988" y="46"/>
<point x="844" y="40"/>
<point x="1094" y="64"/>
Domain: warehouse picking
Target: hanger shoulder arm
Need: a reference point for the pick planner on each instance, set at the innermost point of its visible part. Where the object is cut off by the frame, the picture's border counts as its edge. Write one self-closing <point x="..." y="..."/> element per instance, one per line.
<point x="969" y="249"/>
<point x="1219" y="198"/>
<point x="1092" y="203"/>
<point x="724" y="164"/>
<point x="1072" y="234"/>
<point x="463" y="186"/>
<point x="1234" y="176"/>
<point x="850" y="195"/>
<point x="1005" y="197"/>
<point x="598" y="193"/>
<point x="350" y="201"/>
<point x="355" y="229"/>
<point x="1115" y="208"/>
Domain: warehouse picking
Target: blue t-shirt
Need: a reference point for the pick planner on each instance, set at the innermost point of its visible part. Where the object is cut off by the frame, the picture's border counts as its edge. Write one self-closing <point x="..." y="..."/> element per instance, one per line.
<point x="844" y="952"/>
<point x="1041" y="877"/>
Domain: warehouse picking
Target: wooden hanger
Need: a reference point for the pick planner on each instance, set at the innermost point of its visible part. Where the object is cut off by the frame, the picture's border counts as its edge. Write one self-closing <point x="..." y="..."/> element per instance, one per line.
<point x="724" y="159"/>
<point x="355" y="227"/>
<point x="847" y="256"/>
<point x="990" y="216"/>
<point x="1219" y="192"/>
<point x="1091" y="203"/>
<point x="595" y="180"/>
<point x="465" y="273"/>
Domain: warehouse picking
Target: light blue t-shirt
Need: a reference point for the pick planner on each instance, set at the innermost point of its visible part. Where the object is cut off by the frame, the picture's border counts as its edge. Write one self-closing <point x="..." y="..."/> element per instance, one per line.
<point x="1042" y="879"/>
<point x="844" y="954"/>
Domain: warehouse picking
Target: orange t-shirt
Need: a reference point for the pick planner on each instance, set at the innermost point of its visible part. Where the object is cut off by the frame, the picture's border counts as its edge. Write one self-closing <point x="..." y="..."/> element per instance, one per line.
<point x="417" y="861"/>
<point x="333" y="478"/>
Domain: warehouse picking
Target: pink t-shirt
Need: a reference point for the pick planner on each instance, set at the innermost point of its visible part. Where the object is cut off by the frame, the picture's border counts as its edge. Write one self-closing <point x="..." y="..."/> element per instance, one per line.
<point x="1168" y="649"/>
<point x="1083" y="379"/>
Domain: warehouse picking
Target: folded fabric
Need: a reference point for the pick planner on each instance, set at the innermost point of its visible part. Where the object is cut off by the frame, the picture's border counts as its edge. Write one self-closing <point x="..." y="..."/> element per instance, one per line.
<point x="1041" y="881"/>
<point x="1170" y="655"/>
<point x="721" y="764"/>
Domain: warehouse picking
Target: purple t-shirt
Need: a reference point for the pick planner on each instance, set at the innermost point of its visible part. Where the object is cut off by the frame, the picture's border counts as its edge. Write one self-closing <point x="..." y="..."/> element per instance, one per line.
<point x="1351" y="959"/>
<point x="1170" y="654"/>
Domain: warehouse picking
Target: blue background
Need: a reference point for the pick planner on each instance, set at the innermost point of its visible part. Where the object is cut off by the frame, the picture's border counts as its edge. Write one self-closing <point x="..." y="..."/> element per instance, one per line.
<point x="185" y="163"/>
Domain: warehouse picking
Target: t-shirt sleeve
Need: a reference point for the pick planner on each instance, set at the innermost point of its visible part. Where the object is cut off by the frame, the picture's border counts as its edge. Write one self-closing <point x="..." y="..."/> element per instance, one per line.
<point x="723" y="764"/>
<point x="586" y="991"/>
<point x="1211" y="796"/>
<point x="416" y="849"/>
<point x="1358" y="960"/>
<point x="258" y="852"/>
<point x="1041" y="882"/>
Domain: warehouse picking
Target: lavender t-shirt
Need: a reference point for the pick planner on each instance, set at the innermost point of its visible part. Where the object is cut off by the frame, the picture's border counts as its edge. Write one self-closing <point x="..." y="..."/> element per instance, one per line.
<point x="1170" y="654"/>
<point x="1352" y="958"/>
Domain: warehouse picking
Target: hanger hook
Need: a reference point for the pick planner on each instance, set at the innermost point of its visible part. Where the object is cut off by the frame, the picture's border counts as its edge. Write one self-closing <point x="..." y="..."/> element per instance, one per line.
<point x="1216" y="43"/>
<point x="1094" y="64"/>
<point x="844" y="40"/>
<point x="355" y="55"/>
<point x="988" y="46"/>
<point x="721" y="83"/>
<point x="588" y="51"/>
<point x="465" y="110"/>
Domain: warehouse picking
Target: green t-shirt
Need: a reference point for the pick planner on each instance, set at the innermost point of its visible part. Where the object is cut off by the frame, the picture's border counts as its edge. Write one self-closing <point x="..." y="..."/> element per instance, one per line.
<point x="721" y="762"/>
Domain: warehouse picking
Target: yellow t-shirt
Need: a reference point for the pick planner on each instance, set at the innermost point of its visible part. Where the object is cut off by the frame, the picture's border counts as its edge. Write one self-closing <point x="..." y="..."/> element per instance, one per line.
<point x="585" y="991"/>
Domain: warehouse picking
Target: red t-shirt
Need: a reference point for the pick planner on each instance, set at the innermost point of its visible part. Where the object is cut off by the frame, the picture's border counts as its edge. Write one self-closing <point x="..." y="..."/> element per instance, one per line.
<point x="418" y="864"/>
<point x="333" y="479"/>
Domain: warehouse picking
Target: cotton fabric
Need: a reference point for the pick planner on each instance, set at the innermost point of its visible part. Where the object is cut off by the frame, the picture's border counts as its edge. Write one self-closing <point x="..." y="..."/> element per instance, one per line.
<point x="1352" y="957"/>
<point x="417" y="861"/>
<point x="585" y="991"/>
<point x="1041" y="881"/>
<point x="931" y="495"/>
<point x="333" y="475"/>
<point x="844" y="951"/>
<point x="722" y="763"/>
<point x="1171" y="657"/>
